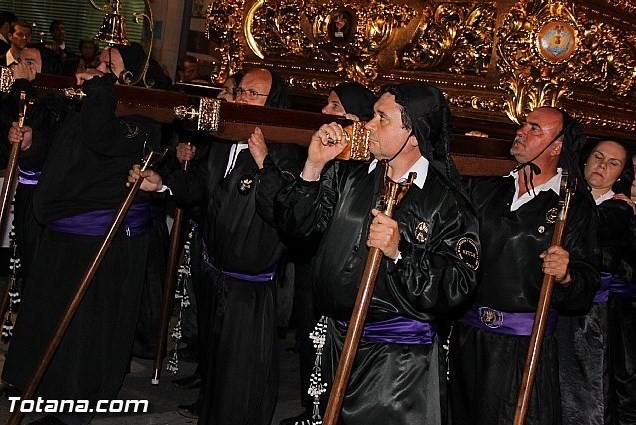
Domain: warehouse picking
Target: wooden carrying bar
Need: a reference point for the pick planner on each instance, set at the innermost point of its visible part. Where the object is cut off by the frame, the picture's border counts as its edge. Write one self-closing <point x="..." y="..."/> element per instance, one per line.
<point x="474" y="156"/>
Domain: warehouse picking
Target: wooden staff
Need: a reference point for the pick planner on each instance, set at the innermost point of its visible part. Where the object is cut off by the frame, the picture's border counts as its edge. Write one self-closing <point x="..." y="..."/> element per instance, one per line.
<point x="8" y="191"/>
<point x="168" y="289"/>
<point x="73" y="305"/>
<point x="543" y="310"/>
<point x="394" y="192"/>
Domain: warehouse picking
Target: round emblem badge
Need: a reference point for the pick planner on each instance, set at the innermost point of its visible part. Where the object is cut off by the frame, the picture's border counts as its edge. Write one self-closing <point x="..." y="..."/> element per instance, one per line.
<point x="556" y="41"/>
<point x="551" y="216"/>
<point x="468" y="252"/>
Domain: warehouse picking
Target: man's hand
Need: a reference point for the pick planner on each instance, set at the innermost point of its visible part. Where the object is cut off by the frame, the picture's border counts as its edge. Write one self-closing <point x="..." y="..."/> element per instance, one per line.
<point x="384" y="234"/>
<point x="326" y="144"/>
<point x="185" y="152"/>
<point x="19" y="134"/>
<point x="22" y="70"/>
<point x="258" y="148"/>
<point x="555" y="262"/>
<point x="87" y="74"/>
<point x="152" y="181"/>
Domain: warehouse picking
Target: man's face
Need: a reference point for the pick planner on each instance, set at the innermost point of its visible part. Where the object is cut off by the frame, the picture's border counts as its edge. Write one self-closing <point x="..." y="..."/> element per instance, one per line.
<point x="113" y="58"/>
<point x="334" y="106"/>
<point x="190" y="71"/>
<point x="634" y="181"/>
<point x="59" y="33"/>
<point x="254" y="87"/>
<point x="387" y="134"/>
<point x="541" y="127"/>
<point x="32" y="58"/>
<point x="20" y="37"/>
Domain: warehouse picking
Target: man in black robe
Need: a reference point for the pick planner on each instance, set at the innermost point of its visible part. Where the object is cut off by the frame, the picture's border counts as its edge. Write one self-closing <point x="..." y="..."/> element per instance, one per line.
<point x="430" y="247"/>
<point x="82" y="184"/>
<point x="236" y="184"/>
<point x="517" y="215"/>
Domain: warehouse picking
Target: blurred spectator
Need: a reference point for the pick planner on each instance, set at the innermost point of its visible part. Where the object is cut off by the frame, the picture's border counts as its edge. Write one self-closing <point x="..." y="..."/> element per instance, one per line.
<point x="188" y="71"/>
<point x="19" y="36"/>
<point x="57" y="43"/>
<point x="6" y="18"/>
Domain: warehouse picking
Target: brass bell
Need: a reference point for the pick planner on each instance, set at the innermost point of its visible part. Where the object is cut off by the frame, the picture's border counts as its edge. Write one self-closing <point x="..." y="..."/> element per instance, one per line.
<point x="113" y="29"/>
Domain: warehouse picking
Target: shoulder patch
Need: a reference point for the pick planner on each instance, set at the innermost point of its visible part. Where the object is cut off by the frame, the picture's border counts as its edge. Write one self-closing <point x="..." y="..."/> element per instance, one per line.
<point x="468" y="252"/>
<point x="421" y="231"/>
<point x="131" y="130"/>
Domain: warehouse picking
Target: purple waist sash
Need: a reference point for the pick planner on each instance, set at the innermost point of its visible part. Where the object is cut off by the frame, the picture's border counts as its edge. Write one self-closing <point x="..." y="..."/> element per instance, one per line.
<point x="622" y="288"/>
<point x="265" y="276"/>
<point x="503" y="322"/>
<point x="96" y="223"/>
<point x="602" y="295"/>
<point x="28" y="177"/>
<point x="398" y="330"/>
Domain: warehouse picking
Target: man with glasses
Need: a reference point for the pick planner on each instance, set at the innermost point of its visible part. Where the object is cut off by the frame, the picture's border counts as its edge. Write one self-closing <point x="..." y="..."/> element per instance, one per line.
<point x="235" y="185"/>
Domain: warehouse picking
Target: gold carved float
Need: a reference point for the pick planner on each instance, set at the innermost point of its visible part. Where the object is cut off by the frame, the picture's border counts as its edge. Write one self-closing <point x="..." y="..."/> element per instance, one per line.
<point x="495" y="60"/>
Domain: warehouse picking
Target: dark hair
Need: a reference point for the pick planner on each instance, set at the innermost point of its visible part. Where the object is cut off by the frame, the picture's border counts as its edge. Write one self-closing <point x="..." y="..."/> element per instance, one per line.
<point x="186" y="58"/>
<point x="87" y="41"/>
<point x="55" y="23"/>
<point x="19" y="24"/>
<point x="6" y="16"/>
<point x="50" y="61"/>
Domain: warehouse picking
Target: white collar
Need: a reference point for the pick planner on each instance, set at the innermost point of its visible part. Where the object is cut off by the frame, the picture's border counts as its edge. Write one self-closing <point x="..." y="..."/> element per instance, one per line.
<point x="10" y="59"/>
<point x="553" y="184"/>
<point x="608" y="195"/>
<point x="420" y="168"/>
<point x="234" y="151"/>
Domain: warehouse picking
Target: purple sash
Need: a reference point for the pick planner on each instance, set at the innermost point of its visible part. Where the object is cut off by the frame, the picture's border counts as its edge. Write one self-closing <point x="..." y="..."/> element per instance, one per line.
<point x="398" y="330"/>
<point x="502" y="322"/>
<point x="96" y="223"/>
<point x="602" y="295"/>
<point x="622" y="288"/>
<point x="28" y="177"/>
<point x="265" y="276"/>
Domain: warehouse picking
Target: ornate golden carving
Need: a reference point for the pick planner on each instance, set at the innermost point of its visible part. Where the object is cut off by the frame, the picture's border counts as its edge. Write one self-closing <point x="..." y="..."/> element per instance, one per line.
<point x="532" y="64"/>
<point x="222" y="26"/>
<point x="496" y="59"/>
<point x="452" y="37"/>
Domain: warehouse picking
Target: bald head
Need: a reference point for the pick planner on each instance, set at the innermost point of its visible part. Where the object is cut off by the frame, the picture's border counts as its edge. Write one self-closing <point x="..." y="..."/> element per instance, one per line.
<point x="254" y="87"/>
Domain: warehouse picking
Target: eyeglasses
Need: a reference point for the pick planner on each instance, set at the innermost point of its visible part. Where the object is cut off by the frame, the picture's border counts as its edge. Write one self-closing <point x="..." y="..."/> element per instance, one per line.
<point x="250" y="93"/>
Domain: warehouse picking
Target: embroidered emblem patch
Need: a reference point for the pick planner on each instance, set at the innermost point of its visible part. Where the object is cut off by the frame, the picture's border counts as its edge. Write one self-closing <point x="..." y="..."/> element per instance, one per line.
<point x="245" y="184"/>
<point x="421" y="232"/>
<point x="468" y="252"/>
<point x="131" y="130"/>
<point x="490" y="317"/>
<point x="551" y="216"/>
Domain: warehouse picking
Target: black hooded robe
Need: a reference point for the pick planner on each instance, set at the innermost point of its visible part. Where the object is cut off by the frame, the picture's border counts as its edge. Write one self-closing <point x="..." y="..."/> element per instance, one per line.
<point x="85" y="171"/>
<point x="390" y="383"/>
<point x="240" y="384"/>
<point x="486" y="367"/>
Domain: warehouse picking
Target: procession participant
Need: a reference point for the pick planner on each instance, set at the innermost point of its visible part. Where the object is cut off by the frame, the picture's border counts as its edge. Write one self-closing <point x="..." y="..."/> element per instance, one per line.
<point x="488" y="347"/>
<point x="430" y="247"/>
<point x="81" y="186"/>
<point x="236" y="183"/>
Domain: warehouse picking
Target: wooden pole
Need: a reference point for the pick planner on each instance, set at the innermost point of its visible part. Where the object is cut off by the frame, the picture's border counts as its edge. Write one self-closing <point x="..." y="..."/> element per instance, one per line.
<point x="541" y="317"/>
<point x="394" y="193"/>
<point x="73" y="305"/>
